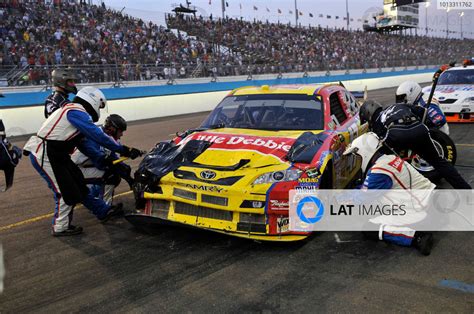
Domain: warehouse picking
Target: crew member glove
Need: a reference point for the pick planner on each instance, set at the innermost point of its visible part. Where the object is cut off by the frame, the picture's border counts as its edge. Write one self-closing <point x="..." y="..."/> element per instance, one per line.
<point x="132" y="153"/>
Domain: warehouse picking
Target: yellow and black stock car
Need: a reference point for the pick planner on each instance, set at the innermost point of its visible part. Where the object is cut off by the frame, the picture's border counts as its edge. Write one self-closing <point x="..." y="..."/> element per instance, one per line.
<point x="234" y="173"/>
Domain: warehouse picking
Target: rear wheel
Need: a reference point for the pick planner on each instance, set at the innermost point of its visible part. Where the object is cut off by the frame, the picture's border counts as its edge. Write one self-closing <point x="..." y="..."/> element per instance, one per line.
<point x="445" y="147"/>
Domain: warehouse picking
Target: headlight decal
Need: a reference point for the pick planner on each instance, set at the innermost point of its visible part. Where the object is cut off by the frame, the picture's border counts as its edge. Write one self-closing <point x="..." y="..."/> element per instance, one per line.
<point x="291" y="174"/>
<point x="468" y="101"/>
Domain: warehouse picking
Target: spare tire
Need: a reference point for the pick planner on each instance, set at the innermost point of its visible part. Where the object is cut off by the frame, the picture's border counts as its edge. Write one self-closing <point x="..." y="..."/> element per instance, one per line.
<point x="446" y="148"/>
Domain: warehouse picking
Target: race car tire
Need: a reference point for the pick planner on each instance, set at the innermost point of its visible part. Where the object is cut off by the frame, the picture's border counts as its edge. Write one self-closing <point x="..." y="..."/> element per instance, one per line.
<point x="446" y="148"/>
<point x="327" y="177"/>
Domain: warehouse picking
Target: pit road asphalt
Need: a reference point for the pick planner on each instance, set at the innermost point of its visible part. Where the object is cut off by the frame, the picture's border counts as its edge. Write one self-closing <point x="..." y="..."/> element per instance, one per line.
<point x="113" y="267"/>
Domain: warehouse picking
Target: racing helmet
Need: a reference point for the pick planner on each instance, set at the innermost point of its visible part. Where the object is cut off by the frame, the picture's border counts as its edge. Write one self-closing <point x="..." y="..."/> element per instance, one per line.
<point x="408" y="93"/>
<point x="93" y="100"/>
<point x="364" y="146"/>
<point x="368" y="110"/>
<point x="116" y="121"/>
<point x="114" y="124"/>
<point x="64" y="78"/>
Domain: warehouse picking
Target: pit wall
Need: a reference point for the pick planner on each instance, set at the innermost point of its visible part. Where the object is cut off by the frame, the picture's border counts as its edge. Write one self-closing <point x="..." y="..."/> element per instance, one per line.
<point x="22" y="112"/>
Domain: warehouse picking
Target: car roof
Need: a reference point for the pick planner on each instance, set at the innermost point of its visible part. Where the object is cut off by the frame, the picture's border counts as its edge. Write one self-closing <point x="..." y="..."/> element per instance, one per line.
<point x="469" y="67"/>
<point x="309" y="89"/>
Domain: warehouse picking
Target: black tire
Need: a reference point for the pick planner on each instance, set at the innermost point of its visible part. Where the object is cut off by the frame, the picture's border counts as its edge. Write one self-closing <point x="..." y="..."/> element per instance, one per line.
<point x="448" y="151"/>
<point x="327" y="177"/>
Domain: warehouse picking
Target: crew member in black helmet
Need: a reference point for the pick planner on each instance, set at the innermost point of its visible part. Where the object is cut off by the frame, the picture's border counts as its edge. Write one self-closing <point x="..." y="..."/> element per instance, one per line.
<point x="96" y="162"/>
<point x="64" y="83"/>
<point x="401" y="128"/>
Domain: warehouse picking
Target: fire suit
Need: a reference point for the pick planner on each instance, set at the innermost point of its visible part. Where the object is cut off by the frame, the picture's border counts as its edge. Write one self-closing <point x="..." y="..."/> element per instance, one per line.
<point x="9" y="157"/>
<point x="55" y="101"/>
<point x="101" y="176"/>
<point x="50" y="153"/>
<point x="400" y="127"/>
<point x="435" y="117"/>
<point x="391" y="172"/>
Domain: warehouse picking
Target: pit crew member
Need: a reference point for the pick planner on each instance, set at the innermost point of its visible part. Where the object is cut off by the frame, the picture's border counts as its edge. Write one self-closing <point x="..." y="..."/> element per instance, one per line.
<point x="50" y="150"/>
<point x="10" y="155"/>
<point x="410" y="92"/>
<point x="63" y="85"/>
<point x="96" y="162"/>
<point x="384" y="172"/>
<point x="400" y="128"/>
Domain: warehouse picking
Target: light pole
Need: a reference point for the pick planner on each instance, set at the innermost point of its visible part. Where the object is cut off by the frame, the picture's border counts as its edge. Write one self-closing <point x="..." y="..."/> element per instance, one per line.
<point x="447" y="22"/>
<point x="460" y="16"/>
<point x="347" y="14"/>
<point x="427" y="4"/>
<point x="296" y="14"/>
<point x="223" y="9"/>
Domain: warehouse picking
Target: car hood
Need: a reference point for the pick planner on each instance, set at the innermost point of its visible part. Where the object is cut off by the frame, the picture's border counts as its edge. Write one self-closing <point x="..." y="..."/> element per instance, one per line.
<point x="230" y="146"/>
<point x="212" y="160"/>
<point x="444" y="92"/>
<point x="232" y="150"/>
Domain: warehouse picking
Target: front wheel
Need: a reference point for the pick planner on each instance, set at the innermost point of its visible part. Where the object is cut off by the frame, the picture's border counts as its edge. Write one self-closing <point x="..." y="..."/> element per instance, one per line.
<point x="445" y="147"/>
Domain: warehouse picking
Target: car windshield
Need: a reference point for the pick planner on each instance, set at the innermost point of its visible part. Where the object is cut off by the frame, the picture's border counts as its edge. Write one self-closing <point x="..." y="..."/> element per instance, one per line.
<point x="268" y="112"/>
<point x="457" y="77"/>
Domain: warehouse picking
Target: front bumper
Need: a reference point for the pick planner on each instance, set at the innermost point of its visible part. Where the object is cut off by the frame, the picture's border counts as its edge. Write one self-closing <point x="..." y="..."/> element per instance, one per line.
<point x="253" y="225"/>
<point x="464" y="117"/>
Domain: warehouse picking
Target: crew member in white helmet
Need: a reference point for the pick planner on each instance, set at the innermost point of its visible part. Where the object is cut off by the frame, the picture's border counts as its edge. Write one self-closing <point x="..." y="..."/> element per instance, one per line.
<point x="49" y="151"/>
<point x="410" y="92"/>
<point x="384" y="172"/>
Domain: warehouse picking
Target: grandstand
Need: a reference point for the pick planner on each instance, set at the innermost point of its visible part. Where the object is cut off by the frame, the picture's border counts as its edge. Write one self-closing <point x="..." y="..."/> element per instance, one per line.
<point x="105" y="45"/>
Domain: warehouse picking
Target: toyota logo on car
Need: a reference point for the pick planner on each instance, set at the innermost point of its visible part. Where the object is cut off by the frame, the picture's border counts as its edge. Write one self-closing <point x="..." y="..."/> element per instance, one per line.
<point x="208" y="174"/>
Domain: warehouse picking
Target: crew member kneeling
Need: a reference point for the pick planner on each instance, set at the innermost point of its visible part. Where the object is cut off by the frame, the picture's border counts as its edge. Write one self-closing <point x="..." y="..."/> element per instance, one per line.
<point x="387" y="171"/>
<point x="97" y="164"/>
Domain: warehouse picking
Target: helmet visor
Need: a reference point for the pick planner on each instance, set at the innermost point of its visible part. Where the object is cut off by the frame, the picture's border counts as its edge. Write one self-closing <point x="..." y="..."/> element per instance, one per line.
<point x="401" y="99"/>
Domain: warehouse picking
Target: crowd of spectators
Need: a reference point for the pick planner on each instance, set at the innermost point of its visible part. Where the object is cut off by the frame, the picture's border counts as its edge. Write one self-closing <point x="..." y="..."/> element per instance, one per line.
<point x="33" y="33"/>
<point x="38" y="35"/>
<point x="322" y="48"/>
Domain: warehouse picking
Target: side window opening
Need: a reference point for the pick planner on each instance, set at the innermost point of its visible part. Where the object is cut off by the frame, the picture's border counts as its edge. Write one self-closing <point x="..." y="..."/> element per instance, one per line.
<point x="336" y="109"/>
<point x="350" y="103"/>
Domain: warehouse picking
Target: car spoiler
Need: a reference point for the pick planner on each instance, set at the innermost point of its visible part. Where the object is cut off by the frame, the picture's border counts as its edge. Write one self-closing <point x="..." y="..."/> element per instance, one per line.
<point x="358" y="94"/>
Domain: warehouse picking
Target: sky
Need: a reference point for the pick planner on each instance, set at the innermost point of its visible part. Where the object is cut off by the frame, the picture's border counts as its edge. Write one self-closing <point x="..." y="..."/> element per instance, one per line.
<point x="154" y="10"/>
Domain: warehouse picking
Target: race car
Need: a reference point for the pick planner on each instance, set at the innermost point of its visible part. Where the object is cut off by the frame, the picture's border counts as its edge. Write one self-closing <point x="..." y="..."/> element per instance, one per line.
<point x="455" y="92"/>
<point x="234" y="173"/>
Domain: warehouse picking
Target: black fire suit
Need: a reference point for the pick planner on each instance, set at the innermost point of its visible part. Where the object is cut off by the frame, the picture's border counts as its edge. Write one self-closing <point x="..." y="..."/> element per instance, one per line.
<point x="401" y="128"/>
<point x="55" y="100"/>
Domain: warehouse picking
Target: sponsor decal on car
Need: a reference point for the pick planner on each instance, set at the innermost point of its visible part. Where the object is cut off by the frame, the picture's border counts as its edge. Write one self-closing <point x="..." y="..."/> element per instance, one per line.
<point x="308" y="183"/>
<point x="447" y="89"/>
<point x="279" y="204"/>
<point x="313" y="172"/>
<point x="276" y="146"/>
<point x="283" y="224"/>
<point x="207" y="188"/>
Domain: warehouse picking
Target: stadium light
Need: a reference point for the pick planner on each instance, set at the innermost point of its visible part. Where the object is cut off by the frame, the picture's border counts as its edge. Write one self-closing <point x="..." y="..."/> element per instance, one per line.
<point x="347" y="14"/>
<point x="427" y="4"/>
<point x="460" y="17"/>
<point x="447" y="22"/>
<point x="296" y="13"/>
